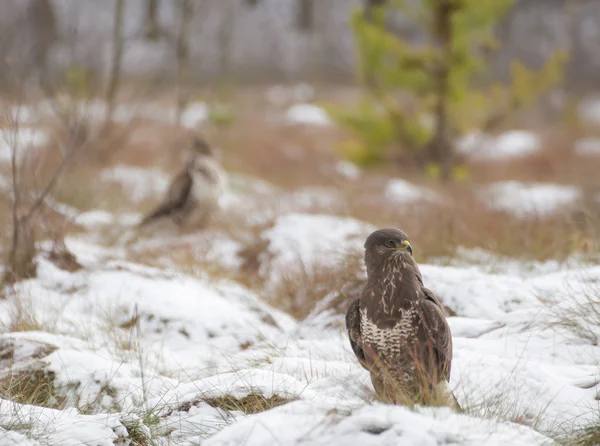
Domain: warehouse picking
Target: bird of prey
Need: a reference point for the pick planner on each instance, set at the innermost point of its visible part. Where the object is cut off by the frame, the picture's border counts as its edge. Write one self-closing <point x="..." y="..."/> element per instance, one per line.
<point x="193" y="195"/>
<point x="397" y="327"/>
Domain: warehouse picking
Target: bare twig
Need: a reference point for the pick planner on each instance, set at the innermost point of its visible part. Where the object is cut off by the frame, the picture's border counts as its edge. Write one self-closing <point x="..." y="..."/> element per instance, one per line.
<point x="183" y="56"/>
<point x="117" y="55"/>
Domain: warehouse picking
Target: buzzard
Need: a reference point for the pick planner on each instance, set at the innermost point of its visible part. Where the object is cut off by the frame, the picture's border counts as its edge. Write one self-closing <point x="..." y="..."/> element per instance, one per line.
<point x="397" y="327"/>
<point x="193" y="195"/>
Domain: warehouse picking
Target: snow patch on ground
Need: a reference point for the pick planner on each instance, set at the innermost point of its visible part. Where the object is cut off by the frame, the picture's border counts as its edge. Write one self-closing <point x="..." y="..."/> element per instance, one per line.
<point x="527" y="199"/>
<point x="95" y="111"/>
<point x="507" y="145"/>
<point x="308" y="114"/>
<point x="589" y="110"/>
<point x="204" y="339"/>
<point x="587" y="147"/>
<point x="139" y="182"/>
<point x="125" y="337"/>
<point x="348" y="170"/>
<point x="404" y="192"/>
<point x="306" y="242"/>
<point x="24" y="140"/>
<point x="194" y="115"/>
<point x="60" y="427"/>
<point x="319" y="424"/>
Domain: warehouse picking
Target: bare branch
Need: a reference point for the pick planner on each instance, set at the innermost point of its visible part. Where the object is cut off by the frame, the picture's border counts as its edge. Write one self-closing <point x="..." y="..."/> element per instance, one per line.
<point x="183" y="56"/>
<point x="117" y="55"/>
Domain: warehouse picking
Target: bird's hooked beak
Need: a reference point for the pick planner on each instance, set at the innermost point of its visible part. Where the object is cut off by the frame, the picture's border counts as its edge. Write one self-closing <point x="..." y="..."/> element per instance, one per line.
<point x="405" y="247"/>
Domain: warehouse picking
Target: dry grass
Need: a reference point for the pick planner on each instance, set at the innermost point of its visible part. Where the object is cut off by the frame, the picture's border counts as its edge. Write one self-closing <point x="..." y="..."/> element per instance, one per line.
<point x="581" y="318"/>
<point x="22" y="316"/>
<point x="24" y="379"/>
<point x="251" y="404"/>
<point x="35" y="387"/>
<point x="589" y="436"/>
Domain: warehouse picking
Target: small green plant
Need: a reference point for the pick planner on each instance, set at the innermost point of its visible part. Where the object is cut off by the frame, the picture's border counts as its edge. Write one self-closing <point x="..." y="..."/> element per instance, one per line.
<point x="421" y="97"/>
<point x="221" y="115"/>
<point x="77" y="81"/>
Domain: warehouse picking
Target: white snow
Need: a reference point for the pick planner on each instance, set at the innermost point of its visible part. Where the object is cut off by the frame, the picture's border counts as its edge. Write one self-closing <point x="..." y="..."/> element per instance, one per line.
<point x="24" y="139"/>
<point x="140" y="183"/>
<point x="589" y="110"/>
<point x="319" y="424"/>
<point x="527" y="199"/>
<point x="301" y="242"/>
<point x="403" y="191"/>
<point x="507" y="145"/>
<point x="348" y="170"/>
<point x="194" y="115"/>
<point x="95" y="110"/>
<point x="139" y="337"/>
<point x="587" y="147"/>
<point x="308" y="114"/>
<point x="64" y="427"/>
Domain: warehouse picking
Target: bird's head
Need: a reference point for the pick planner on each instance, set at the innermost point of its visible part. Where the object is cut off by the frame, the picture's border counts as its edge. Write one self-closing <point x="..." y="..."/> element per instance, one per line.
<point x="200" y="147"/>
<point x="385" y="245"/>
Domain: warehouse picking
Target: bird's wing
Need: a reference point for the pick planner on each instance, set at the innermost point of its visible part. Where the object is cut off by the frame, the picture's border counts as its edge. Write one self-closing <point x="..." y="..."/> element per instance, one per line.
<point x="353" y="327"/>
<point x="174" y="199"/>
<point x="438" y="332"/>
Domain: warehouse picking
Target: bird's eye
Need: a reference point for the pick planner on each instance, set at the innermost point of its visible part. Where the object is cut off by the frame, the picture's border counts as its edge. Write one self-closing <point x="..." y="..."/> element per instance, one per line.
<point x="390" y="243"/>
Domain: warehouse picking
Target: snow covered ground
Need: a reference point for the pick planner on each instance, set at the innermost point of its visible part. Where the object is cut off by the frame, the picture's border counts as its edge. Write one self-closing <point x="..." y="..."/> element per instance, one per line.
<point x="529" y="199"/>
<point x="507" y="145"/>
<point x="122" y="343"/>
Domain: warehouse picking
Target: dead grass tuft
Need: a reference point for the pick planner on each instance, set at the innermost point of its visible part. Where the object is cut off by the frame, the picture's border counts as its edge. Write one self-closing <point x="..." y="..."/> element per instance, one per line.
<point x="581" y="317"/>
<point x="251" y="404"/>
<point x="35" y="387"/>
<point x="590" y="436"/>
<point x="301" y="287"/>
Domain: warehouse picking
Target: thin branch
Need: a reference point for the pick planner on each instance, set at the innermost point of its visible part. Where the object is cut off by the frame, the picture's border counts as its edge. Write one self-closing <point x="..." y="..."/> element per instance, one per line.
<point x="14" y="126"/>
<point x="115" y="73"/>
<point x="183" y="56"/>
<point x="50" y="185"/>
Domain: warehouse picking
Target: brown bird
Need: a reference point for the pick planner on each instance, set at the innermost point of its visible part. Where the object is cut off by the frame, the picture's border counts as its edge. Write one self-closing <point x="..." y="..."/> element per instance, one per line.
<point x="193" y="195"/>
<point x="397" y="327"/>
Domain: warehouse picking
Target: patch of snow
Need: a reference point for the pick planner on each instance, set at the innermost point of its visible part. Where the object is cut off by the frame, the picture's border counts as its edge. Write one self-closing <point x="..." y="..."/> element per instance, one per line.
<point x="138" y="182"/>
<point x="587" y="147"/>
<point x="589" y="111"/>
<point x="507" y="145"/>
<point x="308" y="114"/>
<point x="25" y="139"/>
<point x="31" y="114"/>
<point x="309" y="241"/>
<point x="404" y="192"/>
<point x="348" y="170"/>
<point x="309" y="422"/>
<point x="143" y="337"/>
<point x="64" y="427"/>
<point x="195" y="114"/>
<point x="527" y="199"/>
<point x="95" y="218"/>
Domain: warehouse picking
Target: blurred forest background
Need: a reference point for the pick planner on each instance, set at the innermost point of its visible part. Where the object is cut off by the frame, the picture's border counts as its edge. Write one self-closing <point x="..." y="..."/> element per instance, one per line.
<point x="262" y="41"/>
